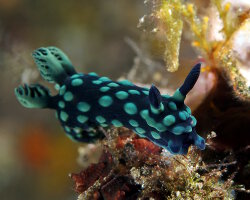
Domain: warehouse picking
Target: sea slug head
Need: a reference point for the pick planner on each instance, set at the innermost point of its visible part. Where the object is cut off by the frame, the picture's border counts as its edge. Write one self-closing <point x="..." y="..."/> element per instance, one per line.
<point x="172" y="118"/>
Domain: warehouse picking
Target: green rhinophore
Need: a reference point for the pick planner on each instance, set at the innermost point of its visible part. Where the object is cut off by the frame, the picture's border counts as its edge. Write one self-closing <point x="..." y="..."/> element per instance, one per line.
<point x="121" y="95"/>
<point x="113" y="85"/>
<point x="93" y="74"/>
<point x="172" y="105"/>
<point x="182" y="116"/>
<point x="100" y="119"/>
<point x="140" y="130"/>
<point x="83" y="106"/>
<point x="64" y="116"/>
<point x="68" y="96"/>
<point x="104" y="89"/>
<point x="130" y="108"/>
<point x="97" y="82"/>
<point x="62" y="90"/>
<point x="104" y="79"/>
<point x="105" y="101"/>
<point x="82" y="118"/>
<point x="77" y="82"/>
<point x="133" y="123"/>
<point x="155" y="135"/>
<point x="61" y="104"/>
<point x="116" y="123"/>
<point x="178" y="130"/>
<point x="134" y="92"/>
<point x="178" y="96"/>
<point x="169" y="120"/>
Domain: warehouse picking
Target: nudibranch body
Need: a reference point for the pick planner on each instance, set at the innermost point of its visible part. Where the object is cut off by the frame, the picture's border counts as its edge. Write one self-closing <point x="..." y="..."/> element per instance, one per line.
<point x="88" y="101"/>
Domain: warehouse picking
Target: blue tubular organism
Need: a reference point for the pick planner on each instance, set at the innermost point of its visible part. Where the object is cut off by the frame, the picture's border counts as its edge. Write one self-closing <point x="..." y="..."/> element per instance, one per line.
<point x="86" y="102"/>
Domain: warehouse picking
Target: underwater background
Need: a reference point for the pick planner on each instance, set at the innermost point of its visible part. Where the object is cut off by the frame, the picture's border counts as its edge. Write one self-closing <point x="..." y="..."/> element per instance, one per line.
<point x="146" y="42"/>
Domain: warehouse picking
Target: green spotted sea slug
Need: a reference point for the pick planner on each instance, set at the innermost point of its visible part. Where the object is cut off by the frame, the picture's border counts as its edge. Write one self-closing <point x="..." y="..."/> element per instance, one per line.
<point x="88" y="101"/>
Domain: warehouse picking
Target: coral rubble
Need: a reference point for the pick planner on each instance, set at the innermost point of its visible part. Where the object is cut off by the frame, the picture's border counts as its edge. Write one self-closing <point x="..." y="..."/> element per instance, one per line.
<point x="134" y="168"/>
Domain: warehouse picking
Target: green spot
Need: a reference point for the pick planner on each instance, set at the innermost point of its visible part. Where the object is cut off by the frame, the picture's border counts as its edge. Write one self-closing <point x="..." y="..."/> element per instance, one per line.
<point x="172" y="105"/>
<point x="145" y="115"/>
<point x="78" y="135"/>
<point x="70" y="137"/>
<point x="104" y="125"/>
<point x="64" y="116"/>
<point x="151" y="122"/>
<point x="61" y="104"/>
<point x="62" y="90"/>
<point x="157" y="111"/>
<point x="97" y="82"/>
<point x="104" y="79"/>
<point x="105" y="101"/>
<point x="77" y="82"/>
<point x="75" y="76"/>
<point x="57" y="86"/>
<point x="130" y="108"/>
<point x="188" y="110"/>
<point x="182" y="116"/>
<point x="104" y="89"/>
<point x="140" y="130"/>
<point x="93" y="74"/>
<point x="186" y="114"/>
<point x="134" y="92"/>
<point x="113" y="85"/>
<point x="178" y="130"/>
<point x="68" y="96"/>
<point x="116" y="123"/>
<point x="121" y="95"/>
<point x="83" y="106"/>
<point x="82" y="118"/>
<point x="145" y="92"/>
<point x="169" y="120"/>
<point x="100" y="119"/>
<point x="67" y="129"/>
<point x="194" y="121"/>
<point x="160" y="127"/>
<point x="178" y="96"/>
<point x="133" y="123"/>
<point x="126" y="83"/>
<point x="77" y="129"/>
<point x="155" y="135"/>
<point x="92" y="134"/>
<point x="188" y="129"/>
